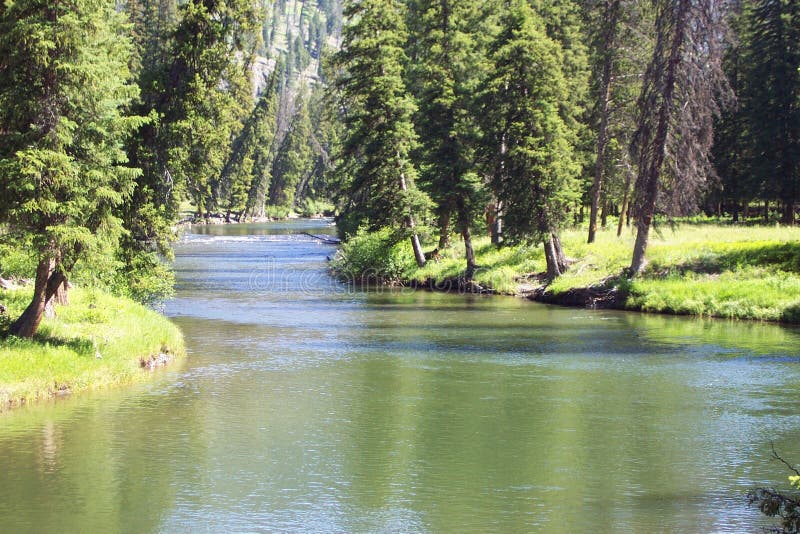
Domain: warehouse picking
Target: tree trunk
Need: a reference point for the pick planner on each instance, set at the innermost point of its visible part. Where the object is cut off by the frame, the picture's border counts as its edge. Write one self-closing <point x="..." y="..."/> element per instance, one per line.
<point x="61" y="296"/>
<point x="496" y="228"/>
<point x="735" y="212"/>
<point x="609" y="36"/>
<point x="561" y="258"/>
<point x="551" y="258"/>
<point x="419" y="255"/>
<point x="604" y="214"/>
<point x="469" y="252"/>
<point x="788" y="213"/>
<point x="651" y="170"/>
<point x="766" y="211"/>
<point x="28" y="323"/>
<point x="623" y="212"/>
<point x="640" y="247"/>
<point x="444" y="231"/>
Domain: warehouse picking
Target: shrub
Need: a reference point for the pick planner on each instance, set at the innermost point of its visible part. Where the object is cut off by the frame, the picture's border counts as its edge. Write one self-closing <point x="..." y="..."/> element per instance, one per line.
<point x="382" y="256"/>
<point x="313" y="208"/>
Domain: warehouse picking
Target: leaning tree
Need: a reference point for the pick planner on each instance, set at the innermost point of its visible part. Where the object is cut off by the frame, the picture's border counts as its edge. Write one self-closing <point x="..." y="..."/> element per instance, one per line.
<point x="681" y="94"/>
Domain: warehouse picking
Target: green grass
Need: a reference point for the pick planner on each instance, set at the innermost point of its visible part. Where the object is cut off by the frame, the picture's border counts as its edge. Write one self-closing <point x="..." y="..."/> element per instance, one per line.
<point x="62" y="358"/>
<point x="715" y="270"/>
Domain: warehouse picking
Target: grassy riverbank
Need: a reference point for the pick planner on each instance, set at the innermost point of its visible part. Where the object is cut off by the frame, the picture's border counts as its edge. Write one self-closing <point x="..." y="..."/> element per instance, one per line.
<point x="713" y="270"/>
<point x="99" y="340"/>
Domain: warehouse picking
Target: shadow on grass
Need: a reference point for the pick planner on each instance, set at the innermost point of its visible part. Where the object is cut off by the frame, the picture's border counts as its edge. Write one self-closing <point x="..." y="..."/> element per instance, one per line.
<point x="779" y="256"/>
<point x="80" y="345"/>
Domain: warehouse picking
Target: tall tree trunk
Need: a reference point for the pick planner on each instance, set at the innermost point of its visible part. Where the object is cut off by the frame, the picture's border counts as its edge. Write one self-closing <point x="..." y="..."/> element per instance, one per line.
<point x="551" y="256"/>
<point x="625" y="209"/>
<point x="604" y="214"/>
<point x="444" y="230"/>
<point x="656" y="150"/>
<point x="609" y="37"/>
<point x="28" y="323"/>
<point x="469" y="251"/>
<point x="788" y="213"/>
<point x="61" y="294"/>
<point x="496" y="228"/>
<point x="561" y="258"/>
<point x="766" y="211"/>
<point x="419" y="255"/>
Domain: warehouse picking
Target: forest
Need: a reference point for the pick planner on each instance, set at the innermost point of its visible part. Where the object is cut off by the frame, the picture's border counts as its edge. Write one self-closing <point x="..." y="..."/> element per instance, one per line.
<point x="429" y="121"/>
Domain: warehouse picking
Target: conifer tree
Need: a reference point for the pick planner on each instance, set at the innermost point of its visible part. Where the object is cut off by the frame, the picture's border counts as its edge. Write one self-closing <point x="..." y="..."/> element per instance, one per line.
<point x="264" y="138"/>
<point x="771" y="99"/>
<point x="529" y="146"/>
<point x="245" y="168"/>
<point x="207" y="93"/>
<point x="379" y="176"/>
<point x="293" y="160"/>
<point x="150" y="213"/>
<point x="619" y="36"/>
<point x="445" y="74"/>
<point x="63" y="171"/>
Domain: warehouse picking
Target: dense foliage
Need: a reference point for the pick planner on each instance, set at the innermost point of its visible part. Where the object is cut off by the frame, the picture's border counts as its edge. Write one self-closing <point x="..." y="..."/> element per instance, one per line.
<point x="426" y="121"/>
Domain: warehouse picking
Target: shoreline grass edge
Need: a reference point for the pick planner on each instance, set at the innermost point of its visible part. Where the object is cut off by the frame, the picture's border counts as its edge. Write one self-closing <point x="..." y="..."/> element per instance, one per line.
<point x="699" y="269"/>
<point x="97" y="341"/>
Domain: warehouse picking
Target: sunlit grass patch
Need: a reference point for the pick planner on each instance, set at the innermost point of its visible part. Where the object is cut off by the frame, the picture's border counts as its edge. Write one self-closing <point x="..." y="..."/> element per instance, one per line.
<point x="97" y="341"/>
<point x="742" y="272"/>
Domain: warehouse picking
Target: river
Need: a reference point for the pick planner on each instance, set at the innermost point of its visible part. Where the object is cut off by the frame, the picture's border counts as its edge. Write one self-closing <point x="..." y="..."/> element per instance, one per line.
<point x="308" y="405"/>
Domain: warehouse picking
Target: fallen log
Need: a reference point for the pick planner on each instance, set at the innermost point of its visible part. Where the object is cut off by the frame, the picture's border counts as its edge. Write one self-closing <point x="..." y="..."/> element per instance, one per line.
<point x="327" y="239"/>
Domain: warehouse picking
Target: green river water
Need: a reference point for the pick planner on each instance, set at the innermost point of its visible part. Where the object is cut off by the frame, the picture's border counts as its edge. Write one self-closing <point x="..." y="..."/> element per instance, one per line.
<point x="308" y="406"/>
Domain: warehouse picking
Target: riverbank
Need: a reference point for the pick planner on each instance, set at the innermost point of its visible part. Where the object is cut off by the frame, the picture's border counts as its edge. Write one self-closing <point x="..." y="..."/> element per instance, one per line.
<point x="97" y="341"/>
<point x="709" y="270"/>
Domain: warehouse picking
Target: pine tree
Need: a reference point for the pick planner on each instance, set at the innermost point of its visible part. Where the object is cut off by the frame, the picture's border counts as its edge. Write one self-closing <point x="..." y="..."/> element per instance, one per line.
<point x="293" y="160"/>
<point x="207" y="94"/>
<point x="264" y="141"/>
<point x="149" y="214"/>
<point x="445" y="75"/>
<point x="379" y="135"/>
<point x="770" y="99"/>
<point x="63" y="174"/>
<point x="246" y="176"/>
<point x="529" y="145"/>
<point x="618" y="32"/>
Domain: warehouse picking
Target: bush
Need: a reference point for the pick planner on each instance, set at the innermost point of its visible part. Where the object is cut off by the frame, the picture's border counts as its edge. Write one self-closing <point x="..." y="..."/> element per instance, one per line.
<point x="382" y="256"/>
<point x="277" y="212"/>
<point x="313" y="208"/>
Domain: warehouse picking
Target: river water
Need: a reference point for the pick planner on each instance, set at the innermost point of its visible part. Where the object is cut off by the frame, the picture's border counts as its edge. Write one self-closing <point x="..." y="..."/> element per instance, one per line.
<point x="307" y="405"/>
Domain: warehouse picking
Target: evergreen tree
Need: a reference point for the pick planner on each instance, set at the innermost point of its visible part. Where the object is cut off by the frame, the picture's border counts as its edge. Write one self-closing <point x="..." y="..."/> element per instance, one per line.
<point x="770" y="96"/>
<point x="445" y="76"/>
<point x="208" y="93"/>
<point x="618" y="32"/>
<point x="379" y="136"/>
<point x="63" y="174"/>
<point x="262" y="143"/>
<point x="529" y="145"/>
<point x="244" y="172"/>
<point x="326" y="132"/>
<point x="293" y="161"/>
<point x="150" y="213"/>
<point x="732" y="140"/>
